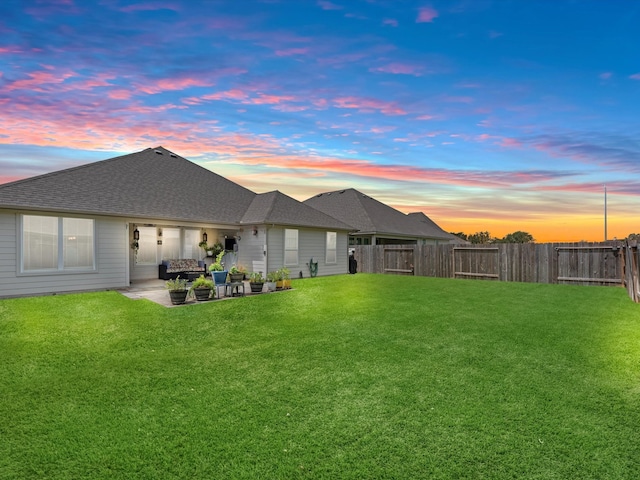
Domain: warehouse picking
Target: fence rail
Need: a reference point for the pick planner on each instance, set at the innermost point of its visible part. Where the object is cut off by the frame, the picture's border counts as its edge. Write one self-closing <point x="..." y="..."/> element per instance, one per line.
<point x="607" y="263"/>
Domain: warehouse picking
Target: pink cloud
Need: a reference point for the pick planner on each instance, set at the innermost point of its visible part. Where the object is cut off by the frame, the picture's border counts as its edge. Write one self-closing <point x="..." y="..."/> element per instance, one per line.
<point x="392" y="22"/>
<point x="263" y="99"/>
<point x="326" y="5"/>
<point x="457" y="99"/>
<point x="288" y="52"/>
<point x="425" y="117"/>
<point x="511" y="143"/>
<point x="37" y="80"/>
<point x="399" y="69"/>
<point x="426" y="15"/>
<point x="368" y="105"/>
<point x="150" y="7"/>
<point x="605" y="75"/>
<point x="363" y="168"/>
<point x="11" y="49"/>
<point x="635" y="76"/>
<point x="119" y="94"/>
<point x="170" y="84"/>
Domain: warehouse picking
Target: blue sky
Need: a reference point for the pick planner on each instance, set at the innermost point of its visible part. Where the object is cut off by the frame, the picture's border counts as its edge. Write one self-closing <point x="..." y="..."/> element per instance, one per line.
<point x="486" y="115"/>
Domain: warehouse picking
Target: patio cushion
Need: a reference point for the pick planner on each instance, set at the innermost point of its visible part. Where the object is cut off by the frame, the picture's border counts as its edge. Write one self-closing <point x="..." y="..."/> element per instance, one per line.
<point x="183" y="265"/>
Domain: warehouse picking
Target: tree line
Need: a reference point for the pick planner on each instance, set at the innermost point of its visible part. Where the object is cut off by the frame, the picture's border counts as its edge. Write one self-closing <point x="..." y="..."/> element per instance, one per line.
<point x="486" y="237"/>
<point x="515" y="237"/>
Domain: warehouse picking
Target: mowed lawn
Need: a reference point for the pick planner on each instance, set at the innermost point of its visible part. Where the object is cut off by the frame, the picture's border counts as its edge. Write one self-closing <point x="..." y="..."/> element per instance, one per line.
<point x="348" y="377"/>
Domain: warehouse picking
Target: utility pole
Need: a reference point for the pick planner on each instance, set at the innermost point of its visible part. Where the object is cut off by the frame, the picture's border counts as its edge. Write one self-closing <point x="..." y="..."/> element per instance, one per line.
<point x="605" y="212"/>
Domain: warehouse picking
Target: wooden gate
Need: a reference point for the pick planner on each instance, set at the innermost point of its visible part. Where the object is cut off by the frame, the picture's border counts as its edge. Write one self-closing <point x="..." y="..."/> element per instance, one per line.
<point x="589" y="265"/>
<point x="398" y="261"/>
<point x="476" y="262"/>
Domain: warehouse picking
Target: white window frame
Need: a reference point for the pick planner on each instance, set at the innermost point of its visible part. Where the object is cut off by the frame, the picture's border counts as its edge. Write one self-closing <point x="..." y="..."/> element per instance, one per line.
<point x="331" y="255"/>
<point x="59" y="260"/>
<point x="291" y="247"/>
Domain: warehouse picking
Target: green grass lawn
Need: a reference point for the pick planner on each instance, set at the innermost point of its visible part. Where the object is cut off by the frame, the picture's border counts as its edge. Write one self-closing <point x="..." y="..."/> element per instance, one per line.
<point x="349" y="377"/>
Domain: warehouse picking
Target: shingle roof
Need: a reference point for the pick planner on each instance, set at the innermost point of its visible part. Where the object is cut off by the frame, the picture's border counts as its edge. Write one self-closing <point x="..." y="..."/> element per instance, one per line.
<point x="153" y="183"/>
<point x="280" y="209"/>
<point x="373" y="217"/>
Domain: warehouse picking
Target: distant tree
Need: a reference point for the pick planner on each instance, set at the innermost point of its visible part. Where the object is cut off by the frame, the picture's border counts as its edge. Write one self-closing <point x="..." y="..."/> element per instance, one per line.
<point x="480" y="237"/>
<point x="633" y="237"/>
<point x="517" y="237"/>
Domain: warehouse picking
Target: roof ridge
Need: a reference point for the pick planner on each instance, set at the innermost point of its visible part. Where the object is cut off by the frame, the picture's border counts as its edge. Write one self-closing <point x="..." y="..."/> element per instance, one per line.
<point x="69" y="169"/>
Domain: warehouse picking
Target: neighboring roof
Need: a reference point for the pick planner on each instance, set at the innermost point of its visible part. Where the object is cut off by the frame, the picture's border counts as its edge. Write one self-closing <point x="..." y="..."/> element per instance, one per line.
<point x="154" y="183"/>
<point x="429" y="226"/>
<point x="373" y="217"/>
<point x="280" y="209"/>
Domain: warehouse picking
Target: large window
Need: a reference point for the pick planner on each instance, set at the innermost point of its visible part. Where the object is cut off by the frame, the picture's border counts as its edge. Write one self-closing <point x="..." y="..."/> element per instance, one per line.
<point x="290" y="247"/>
<point x="171" y="243"/>
<point x="191" y="240"/>
<point x="57" y="243"/>
<point x="147" y="246"/>
<point x="331" y="247"/>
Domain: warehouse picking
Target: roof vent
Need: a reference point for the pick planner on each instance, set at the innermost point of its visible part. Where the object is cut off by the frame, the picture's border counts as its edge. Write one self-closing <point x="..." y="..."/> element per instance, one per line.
<point x="158" y="152"/>
<point x="174" y="155"/>
<point x="341" y="191"/>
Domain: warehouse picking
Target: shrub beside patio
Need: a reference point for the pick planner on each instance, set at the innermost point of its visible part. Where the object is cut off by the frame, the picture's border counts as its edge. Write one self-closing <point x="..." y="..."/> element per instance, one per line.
<point x="355" y="376"/>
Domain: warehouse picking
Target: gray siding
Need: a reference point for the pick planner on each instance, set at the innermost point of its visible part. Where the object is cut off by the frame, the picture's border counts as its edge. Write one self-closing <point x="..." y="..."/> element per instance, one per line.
<point x="311" y="244"/>
<point x="111" y="262"/>
<point x="251" y="249"/>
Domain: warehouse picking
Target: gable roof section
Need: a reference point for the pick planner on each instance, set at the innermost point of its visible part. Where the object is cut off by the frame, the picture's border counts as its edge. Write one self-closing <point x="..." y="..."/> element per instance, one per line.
<point x="429" y="227"/>
<point x="154" y="183"/>
<point x="280" y="209"/>
<point x="373" y="217"/>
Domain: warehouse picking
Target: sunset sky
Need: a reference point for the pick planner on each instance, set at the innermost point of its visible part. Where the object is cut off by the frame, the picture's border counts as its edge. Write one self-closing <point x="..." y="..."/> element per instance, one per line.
<point x="496" y="115"/>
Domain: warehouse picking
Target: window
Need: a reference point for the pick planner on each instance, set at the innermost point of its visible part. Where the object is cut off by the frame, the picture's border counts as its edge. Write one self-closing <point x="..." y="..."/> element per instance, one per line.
<point x="331" y="247"/>
<point x="191" y="241"/>
<point x="77" y="243"/>
<point x="147" y="246"/>
<point x="290" y="247"/>
<point x="171" y="243"/>
<point x="57" y="243"/>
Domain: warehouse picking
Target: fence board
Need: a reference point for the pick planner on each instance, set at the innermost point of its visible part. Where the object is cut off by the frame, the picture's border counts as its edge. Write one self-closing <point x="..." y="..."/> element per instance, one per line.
<point x="571" y="263"/>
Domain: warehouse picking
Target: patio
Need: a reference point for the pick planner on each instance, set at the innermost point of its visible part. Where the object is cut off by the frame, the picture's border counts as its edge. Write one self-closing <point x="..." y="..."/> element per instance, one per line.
<point x="155" y="291"/>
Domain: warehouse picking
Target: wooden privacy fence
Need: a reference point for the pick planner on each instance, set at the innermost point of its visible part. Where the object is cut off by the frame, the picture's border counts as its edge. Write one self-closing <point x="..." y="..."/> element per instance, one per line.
<point x="607" y="263"/>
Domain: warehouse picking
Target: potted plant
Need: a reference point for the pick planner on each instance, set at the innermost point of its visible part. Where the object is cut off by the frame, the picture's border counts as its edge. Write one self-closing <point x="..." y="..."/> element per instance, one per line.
<point x="201" y="288"/>
<point x="272" y="277"/>
<point x="217" y="270"/>
<point x="205" y="246"/>
<point x="286" y="279"/>
<point x="236" y="273"/>
<point x="256" y="282"/>
<point x="177" y="290"/>
<point x="279" y="279"/>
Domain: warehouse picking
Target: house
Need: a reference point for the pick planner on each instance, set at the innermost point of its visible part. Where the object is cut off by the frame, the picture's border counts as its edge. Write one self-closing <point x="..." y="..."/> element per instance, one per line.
<point x="377" y="223"/>
<point x="73" y="230"/>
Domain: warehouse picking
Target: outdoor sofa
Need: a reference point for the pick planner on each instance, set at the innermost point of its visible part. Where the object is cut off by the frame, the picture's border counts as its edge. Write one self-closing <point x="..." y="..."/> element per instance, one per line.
<point x="187" y="268"/>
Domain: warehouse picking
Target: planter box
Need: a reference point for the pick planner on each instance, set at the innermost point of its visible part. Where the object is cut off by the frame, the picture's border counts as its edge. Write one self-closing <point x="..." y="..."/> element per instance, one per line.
<point x="256" y="287"/>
